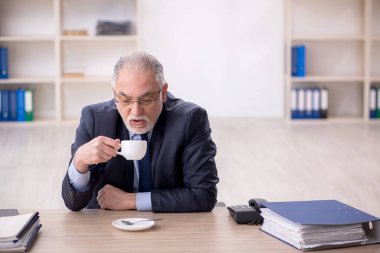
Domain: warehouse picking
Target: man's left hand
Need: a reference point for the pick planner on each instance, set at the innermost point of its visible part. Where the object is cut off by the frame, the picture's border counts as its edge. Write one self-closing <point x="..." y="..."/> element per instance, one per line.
<point x="110" y="197"/>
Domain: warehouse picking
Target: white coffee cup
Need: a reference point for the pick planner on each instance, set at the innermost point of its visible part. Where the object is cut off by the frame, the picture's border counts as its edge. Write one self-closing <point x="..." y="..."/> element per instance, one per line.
<point x="133" y="149"/>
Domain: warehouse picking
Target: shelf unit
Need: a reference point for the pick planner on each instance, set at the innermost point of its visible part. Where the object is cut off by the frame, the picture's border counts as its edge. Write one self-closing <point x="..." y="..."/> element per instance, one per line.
<point x="40" y="53"/>
<point x="342" y="53"/>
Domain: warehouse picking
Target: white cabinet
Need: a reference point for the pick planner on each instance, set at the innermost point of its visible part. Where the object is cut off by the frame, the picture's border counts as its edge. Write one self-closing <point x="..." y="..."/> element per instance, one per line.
<point x="343" y="52"/>
<point x="41" y="53"/>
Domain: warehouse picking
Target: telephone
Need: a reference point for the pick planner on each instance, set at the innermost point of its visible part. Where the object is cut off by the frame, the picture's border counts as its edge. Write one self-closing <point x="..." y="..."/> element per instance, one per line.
<point x="247" y="214"/>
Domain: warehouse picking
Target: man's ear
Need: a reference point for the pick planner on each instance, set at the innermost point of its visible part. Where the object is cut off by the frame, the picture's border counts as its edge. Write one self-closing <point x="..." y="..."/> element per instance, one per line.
<point x="164" y="92"/>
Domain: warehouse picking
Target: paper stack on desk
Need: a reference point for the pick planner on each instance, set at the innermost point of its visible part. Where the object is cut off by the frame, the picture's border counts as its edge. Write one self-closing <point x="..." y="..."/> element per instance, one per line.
<point x="310" y="225"/>
<point x="17" y="232"/>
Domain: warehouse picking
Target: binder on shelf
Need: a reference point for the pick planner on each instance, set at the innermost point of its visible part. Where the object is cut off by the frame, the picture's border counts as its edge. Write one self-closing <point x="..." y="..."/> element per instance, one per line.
<point x="319" y="224"/>
<point x="13" y="105"/>
<point x="20" y="105"/>
<point x="5" y="105"/>
<point x="3" y="63"/>
<point x="29" y="107"/>
<point x="324" y="103"/>
<point x="309" y="104"/>
<point x="294" y="111"/>
<point x="294" y="61"/>
<point x="298" y="58"/>
<point x="301" y="103"/>
<point x="316" y="109"/>
<point x="1" y="112"/>
<point x="372" y="103"/>
<point x="378" y="103"/>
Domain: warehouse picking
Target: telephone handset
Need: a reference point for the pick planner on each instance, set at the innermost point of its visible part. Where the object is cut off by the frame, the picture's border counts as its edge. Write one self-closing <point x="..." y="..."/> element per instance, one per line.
<point x="247" y="214"/>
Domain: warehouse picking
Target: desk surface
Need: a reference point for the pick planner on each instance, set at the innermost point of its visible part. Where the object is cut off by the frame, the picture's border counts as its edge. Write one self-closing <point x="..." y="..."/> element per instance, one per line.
<point x="91" y="231"/>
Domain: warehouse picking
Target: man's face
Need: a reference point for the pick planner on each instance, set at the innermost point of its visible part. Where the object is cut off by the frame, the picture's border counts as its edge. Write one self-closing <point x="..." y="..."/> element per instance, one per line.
<point x="139" y="99"/>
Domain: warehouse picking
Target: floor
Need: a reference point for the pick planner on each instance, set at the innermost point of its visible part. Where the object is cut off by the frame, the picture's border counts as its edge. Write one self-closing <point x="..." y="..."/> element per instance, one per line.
<point x="271" y="159"/>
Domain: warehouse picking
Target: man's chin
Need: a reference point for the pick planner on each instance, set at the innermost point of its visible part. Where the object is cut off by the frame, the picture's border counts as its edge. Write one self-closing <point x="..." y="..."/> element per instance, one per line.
<point x="138" y="130"/>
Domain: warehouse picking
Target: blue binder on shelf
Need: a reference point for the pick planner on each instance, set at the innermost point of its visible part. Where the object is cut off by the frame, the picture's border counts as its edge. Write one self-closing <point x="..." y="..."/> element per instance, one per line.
<point x="20" y="105"/>
<point x="5" y="105"/>
<point x="326" y="213"/>
<point x="3" y="63"/>
<point x="13" y="105"/>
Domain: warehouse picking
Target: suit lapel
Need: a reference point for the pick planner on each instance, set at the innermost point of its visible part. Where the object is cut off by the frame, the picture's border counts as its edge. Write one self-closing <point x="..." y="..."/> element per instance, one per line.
<point x="127" y="165"/>
<point x="156" y="141"/>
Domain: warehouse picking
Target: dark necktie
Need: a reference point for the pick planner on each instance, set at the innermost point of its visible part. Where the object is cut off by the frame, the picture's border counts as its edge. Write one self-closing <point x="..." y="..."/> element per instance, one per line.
<point x="145" y="173"/>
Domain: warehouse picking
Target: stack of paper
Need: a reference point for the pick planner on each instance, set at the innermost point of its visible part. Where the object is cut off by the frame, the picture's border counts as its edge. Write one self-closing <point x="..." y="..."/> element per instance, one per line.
<point x="309" y="225"/>
<point x="18" y="232"/>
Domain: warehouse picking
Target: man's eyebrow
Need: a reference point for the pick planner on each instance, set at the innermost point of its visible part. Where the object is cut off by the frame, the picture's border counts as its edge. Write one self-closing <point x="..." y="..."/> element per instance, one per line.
<point x="120" y="93"/>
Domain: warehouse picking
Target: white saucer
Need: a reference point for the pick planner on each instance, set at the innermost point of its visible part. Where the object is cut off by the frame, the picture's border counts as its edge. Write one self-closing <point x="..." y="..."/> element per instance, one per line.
<point x="135" y="227"/>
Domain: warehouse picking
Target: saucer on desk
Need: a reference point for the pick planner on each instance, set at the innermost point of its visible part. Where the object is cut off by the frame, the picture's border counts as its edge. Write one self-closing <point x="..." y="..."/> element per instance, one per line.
<point x="135" y="227"/>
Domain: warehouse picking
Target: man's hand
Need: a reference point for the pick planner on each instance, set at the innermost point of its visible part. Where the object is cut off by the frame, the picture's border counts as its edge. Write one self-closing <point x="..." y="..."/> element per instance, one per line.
<point x="98" y="150"/>
<point x="110" y="197"/>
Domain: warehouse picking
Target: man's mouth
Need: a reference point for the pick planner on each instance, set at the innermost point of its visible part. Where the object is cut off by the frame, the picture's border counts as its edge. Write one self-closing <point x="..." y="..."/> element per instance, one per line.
<point x="137" y="123"/>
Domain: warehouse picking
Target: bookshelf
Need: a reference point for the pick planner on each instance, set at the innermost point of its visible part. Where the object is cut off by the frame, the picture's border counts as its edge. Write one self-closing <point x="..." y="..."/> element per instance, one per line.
<point x="343" y="53"/>
<point x="40" y="52"/>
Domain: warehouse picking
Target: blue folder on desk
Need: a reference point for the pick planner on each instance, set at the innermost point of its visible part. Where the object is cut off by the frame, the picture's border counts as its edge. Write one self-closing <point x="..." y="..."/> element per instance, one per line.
<point x="327" y="212"/>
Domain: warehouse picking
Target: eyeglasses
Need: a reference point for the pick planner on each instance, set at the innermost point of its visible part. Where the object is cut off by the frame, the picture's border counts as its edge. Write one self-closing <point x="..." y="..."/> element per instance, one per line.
<point x="145" y="101"/>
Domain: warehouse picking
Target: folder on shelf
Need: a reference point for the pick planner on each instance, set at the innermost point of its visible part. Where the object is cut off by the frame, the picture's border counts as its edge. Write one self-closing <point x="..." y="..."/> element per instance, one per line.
<point x="1" y="112"/>
<point x="309" y="103"/>
<point x="5" y="105"/>
<point x="316" y="110"/>
<point x="298" y="58"/>
<point x="324" y="103"/>
<point x="29" y="107"/>
<point x="319" y="224"/>
<point x="3" y="62"/>
<point x="301" y="103"/>
<point x="20" y="105"/>
<point x="378" y="103"/>
<point x="372" y="103"/>
<point x="13" y="105"/>
<point x="293" y="108"/>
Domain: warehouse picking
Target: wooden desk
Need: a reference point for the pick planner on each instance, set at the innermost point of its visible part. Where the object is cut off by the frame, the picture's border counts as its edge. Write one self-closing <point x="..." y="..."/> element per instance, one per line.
<point x="91" y="231"/>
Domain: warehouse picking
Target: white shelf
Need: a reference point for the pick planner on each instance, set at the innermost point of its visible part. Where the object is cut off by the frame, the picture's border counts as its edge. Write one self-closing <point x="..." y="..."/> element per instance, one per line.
<point x="323" y="79"/>
<point x="39" y="53"/>
<point x="341" y="54"/>
<point x="30" y="80"/>
<point x="99" y="79"/>
<point x="99" y="38"/>
<point x="331" y="120"/>
<point x="26" y="38"/>
<point x="328" y="37"/>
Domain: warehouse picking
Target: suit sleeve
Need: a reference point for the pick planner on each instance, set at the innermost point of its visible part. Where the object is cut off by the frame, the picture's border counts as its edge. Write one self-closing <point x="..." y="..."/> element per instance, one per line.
<point x="199" y="171"/>
<point x="77" y="200"/>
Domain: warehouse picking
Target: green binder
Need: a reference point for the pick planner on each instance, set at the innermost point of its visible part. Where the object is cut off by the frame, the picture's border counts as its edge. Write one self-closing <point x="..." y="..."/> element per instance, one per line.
<point x="29" y="107"/>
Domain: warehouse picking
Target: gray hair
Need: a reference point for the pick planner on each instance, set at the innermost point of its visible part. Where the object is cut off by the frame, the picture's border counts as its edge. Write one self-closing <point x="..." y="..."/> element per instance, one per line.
<point x="139" y="61"/>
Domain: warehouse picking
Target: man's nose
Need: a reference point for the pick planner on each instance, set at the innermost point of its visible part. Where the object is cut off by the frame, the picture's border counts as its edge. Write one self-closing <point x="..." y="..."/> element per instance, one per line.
<point x="136" y="108"/>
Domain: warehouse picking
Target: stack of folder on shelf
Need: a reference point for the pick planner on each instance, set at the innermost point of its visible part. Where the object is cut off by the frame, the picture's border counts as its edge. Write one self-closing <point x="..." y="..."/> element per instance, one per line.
<point x="16" y="105"/>
<point x="374" y="103"/>
<point x="104" y="27"/>
<point x="319" y="224"/>
<point x="309" y="103"/>
<point x="17" y="231"/>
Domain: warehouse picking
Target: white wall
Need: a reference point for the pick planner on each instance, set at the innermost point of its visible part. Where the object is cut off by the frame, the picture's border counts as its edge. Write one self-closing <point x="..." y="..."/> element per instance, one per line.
<point x="225" y="55"/>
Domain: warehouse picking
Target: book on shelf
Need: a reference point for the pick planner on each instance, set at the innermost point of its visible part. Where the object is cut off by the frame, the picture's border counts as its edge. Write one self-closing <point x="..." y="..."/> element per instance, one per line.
<point x="319" y="224"/>
<point x="16" y="105"/>
<point x="4" y="63"/>
<point x="18" y="231"/>
<point x="298" y="58"/>
<point x="309" y="103"/>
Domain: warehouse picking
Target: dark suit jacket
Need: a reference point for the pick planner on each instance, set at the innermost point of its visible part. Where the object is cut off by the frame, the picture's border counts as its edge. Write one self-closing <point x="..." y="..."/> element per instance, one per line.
<point x="182" y="158"/>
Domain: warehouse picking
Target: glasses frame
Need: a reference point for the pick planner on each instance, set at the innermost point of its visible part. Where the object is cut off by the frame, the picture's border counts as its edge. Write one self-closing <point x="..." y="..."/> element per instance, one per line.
<point x="141" y="101"/>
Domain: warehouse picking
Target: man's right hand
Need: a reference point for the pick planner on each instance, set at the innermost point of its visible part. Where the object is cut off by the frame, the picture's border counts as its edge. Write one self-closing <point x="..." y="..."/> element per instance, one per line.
<point x="98" y="150"/>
